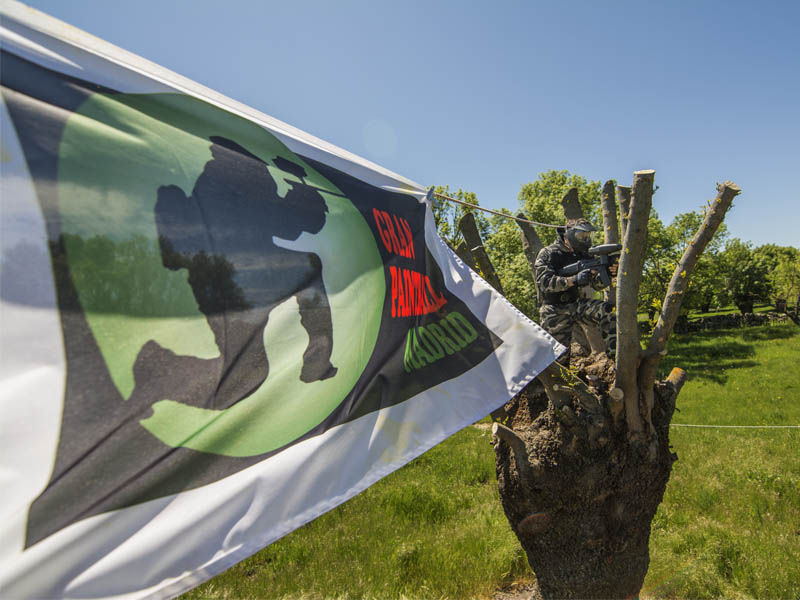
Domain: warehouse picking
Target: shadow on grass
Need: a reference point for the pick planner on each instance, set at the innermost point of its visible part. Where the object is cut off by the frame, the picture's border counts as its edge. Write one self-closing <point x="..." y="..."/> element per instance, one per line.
<point x="711" y="355"/>
<point x="776" y="332"/>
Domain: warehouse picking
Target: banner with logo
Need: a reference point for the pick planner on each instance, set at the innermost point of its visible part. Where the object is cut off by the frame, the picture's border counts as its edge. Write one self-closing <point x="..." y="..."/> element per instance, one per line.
<point x="214" y="327"/>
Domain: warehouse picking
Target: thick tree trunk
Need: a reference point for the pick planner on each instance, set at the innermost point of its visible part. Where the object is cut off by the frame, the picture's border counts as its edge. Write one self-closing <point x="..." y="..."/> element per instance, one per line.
<point x="583" y="515"/>
<point x="745" y="305"/>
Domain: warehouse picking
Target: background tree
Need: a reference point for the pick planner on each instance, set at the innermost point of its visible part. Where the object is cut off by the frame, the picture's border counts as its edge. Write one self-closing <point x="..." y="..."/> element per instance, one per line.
<point x="707" y="279"/>
<point x="660" y="261"/>
<point x="785" y="278"/>
<point x="745" y="276"/>
<point x="540" y="200"/>
<point x="778" y="257"/>
<point x="447" y="214"/>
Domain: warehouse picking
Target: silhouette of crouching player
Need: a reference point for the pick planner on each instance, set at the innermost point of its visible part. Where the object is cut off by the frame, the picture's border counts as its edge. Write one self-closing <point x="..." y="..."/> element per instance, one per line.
<point x="223" y="236"/>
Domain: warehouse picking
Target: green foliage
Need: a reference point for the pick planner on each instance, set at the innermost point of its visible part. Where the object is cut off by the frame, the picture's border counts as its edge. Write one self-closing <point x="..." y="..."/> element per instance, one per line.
<point x="501" y="239"/>
<point x="665" y="247"/>
<point x="783" y="263"/>
<point x="659" y="264"/>
<point x="541" y="200"/>
<point x="745" y="276"/>
<point x="447" y="214"/>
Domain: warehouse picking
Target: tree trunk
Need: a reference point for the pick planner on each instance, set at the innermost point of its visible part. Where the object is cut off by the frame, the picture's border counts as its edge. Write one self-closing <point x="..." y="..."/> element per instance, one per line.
<point x="580" y="475"/>
<point x="583" y="515"/>
<point x="624" y="199"/>
<point x="745" y="305"/>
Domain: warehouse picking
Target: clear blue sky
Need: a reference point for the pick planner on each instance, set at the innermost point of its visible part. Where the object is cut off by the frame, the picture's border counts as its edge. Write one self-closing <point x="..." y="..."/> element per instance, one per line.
<point x="485" y="96"/>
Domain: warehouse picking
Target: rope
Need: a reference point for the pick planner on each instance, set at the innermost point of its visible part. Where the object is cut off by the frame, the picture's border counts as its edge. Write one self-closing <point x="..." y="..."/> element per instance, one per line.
<point x="494" y="212"/>
<point x="737" y="426"/>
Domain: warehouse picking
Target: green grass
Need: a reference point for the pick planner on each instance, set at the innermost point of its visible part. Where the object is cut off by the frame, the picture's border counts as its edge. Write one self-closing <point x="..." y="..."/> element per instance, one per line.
<point x="433" y="529"/>
<point x="729" y="526"/>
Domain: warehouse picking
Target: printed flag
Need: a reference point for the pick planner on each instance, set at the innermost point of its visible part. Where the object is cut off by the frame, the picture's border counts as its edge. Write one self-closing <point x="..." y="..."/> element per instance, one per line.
<point x="214" y="327"/>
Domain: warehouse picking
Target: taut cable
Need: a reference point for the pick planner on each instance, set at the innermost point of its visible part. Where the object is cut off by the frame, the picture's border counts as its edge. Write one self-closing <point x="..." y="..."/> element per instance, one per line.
<point x="494" y="212"/>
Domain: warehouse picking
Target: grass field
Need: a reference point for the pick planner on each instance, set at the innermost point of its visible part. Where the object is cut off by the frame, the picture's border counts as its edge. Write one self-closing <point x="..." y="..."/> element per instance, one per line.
<point x="729" y="526"/>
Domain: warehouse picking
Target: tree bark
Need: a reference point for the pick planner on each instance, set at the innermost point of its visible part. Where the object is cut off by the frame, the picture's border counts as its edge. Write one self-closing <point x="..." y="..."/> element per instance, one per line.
<point x="610" y="228"/>
<point x="584" y="519"/>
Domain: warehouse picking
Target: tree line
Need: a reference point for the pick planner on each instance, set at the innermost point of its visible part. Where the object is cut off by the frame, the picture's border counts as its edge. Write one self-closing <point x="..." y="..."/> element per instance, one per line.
<point x="731" y="271"/>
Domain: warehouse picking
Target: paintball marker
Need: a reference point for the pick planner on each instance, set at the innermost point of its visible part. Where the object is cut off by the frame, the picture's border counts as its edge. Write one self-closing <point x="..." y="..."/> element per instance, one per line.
<point x="603" y="257"/>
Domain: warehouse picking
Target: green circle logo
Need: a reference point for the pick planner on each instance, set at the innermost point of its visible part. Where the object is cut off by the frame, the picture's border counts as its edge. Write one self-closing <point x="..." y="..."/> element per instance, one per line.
<point x="243" y="306"/>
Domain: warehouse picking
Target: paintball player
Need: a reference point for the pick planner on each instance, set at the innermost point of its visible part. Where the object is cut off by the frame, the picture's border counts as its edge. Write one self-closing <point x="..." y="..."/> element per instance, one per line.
<point x="561" y="305"/>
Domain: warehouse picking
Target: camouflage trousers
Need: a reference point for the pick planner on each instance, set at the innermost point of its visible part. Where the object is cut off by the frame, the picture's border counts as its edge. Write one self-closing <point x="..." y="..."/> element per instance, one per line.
<point x="559" y="320"/>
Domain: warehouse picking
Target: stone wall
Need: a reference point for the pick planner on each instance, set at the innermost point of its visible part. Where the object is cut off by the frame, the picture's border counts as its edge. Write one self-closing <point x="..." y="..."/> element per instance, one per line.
<point x="729" y="321"/>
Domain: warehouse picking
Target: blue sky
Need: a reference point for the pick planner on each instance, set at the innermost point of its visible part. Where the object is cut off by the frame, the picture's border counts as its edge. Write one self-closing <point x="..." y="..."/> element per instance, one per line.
<point x="485" y="96"/>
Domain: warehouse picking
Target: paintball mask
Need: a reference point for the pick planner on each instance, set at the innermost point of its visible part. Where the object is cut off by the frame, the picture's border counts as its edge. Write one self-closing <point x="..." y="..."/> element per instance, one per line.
<point x="579" y="235"/>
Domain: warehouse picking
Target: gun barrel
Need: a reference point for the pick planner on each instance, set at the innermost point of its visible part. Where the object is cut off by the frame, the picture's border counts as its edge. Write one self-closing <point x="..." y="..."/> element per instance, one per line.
<point x="570" y="269"/>
<point x="604" y="249"/>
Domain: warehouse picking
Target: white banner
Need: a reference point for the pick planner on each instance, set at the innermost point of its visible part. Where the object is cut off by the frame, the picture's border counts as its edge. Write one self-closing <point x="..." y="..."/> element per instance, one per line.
<point x="214" y="327"/>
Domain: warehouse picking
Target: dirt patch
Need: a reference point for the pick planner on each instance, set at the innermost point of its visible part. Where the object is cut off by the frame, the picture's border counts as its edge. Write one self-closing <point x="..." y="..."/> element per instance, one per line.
<point x="517" y="591"/>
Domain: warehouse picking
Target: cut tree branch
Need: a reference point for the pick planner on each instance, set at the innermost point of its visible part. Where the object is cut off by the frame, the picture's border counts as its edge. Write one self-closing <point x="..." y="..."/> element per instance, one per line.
<point x="610" y="227"/>
<point x="531" y="243"/>
<point x="470" y="232"/>
<point x="628" y="281"/>
<point x="526" y="470"/>
<point x="676" y="291"/>
<point x="676" y="378"/>
<point x="464" y="254"/>
<point x="554" y="385"/>
<point x="572" y="207"/>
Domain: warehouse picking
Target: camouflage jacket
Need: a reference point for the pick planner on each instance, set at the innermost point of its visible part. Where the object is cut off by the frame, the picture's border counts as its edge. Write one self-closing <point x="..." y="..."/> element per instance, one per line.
<point x="552" y="288"/>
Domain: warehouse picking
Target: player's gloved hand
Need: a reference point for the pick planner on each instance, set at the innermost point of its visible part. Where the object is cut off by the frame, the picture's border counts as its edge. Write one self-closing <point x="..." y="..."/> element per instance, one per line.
<point x="584" y="277"/>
